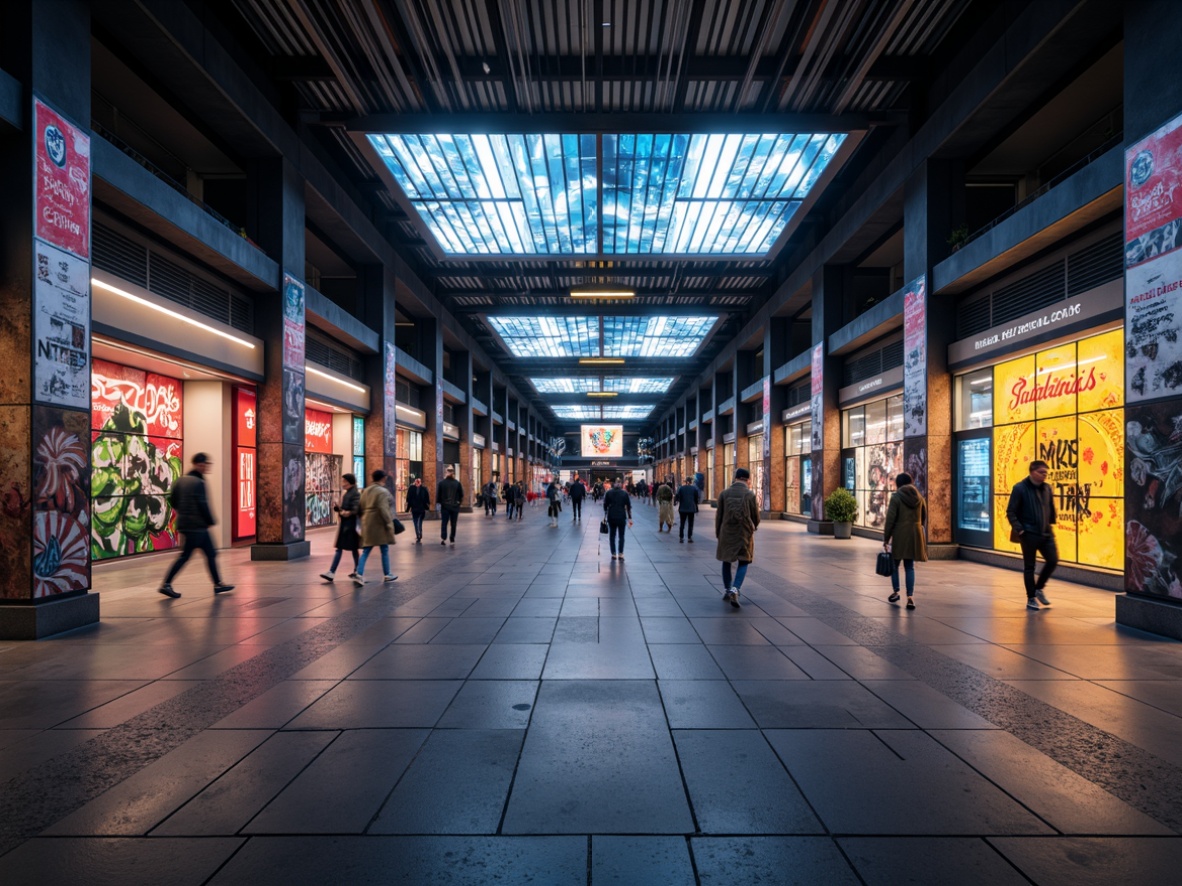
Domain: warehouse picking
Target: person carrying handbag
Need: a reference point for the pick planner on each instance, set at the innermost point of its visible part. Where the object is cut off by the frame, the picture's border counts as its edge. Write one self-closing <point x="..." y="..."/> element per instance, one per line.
<point x="903" y="534"/>
<point x="377" y="525"/>
<point x="348" y="538"/>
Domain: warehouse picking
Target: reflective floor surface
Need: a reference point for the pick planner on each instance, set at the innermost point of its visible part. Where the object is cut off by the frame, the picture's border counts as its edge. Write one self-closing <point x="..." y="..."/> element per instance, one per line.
<point x="519" y="708"/>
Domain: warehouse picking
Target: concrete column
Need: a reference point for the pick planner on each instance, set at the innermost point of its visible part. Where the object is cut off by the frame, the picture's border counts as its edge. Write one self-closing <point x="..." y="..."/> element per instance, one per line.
<point x="277" y="216"/>
<point x="378" y="285"/>
<point x="775" y="353"/>
<point x="45" y="445"/>
<point x="462" y="360"/>
<point x="829" y="288"/>
<point x="431" y="341"/>
<point x="932" y="202"/>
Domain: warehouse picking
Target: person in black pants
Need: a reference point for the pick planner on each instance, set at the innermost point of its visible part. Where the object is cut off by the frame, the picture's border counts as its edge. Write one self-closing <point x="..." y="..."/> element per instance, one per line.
<point x="449" y="495"/>
<point x="1031" y="512"/>
<point x="578" y="491"/>
<point x="617" y="507"/>
<point x="418" y="501"/>
<point x="688" y="497"/>
<point x="193" y="519"/>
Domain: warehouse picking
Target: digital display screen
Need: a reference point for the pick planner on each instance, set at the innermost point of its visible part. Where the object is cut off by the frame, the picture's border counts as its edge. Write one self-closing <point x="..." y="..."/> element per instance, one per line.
<point x="602" y="441"/>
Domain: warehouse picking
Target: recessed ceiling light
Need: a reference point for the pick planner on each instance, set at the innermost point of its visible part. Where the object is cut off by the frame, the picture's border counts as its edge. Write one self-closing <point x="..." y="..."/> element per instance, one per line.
<point x="602" y="394"/>
<point x="601" y="361"/>
<point x="603" y="293"/>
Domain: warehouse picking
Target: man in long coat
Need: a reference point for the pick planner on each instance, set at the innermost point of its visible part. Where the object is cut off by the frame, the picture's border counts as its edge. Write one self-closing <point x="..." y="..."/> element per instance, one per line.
<point x="735" y="522"/>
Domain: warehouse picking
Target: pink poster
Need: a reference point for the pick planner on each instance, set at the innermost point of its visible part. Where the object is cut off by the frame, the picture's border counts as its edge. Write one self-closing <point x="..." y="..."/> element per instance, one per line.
<point x="317" y="431"/>
<point x="817" y="405"/>
<point x="293" y="323"/>
<point x="62" y="181"/>
<point x="1152" y="198"/>
<point x="915" y="359"/>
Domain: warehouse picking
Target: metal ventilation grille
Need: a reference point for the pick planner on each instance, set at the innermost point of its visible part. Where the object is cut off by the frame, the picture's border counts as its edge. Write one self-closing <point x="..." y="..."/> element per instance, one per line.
<point x="333" y="356"/>
<point x="867" y="364"/>
<point x="974" y="316"/>
<point x="1035" y="291"/>
<point x="140" y="264"/>
<point x="1100" y="263"/>
<point x="798" y="394"/>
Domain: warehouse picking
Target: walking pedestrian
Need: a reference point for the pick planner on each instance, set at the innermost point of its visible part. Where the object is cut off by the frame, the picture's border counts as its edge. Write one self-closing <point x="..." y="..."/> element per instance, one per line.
<point x="491" y="493"/>
<point x="449" y="496"/>
<point x="552" y="495"/>
<point x="377" y="526"/>
<point x="510" y="499"/>
<point x="664" y="506"/>
<point x="735" y="522"/>
<point x="1031" y="512"/>
<point x="578" y="492"/>
<point x="193" y="519"/>
<point x="348" y="538"/>
<point x="688" y="498"/>
<point x="903" y="534"/>
<point x="617" y="507"/>
<point x="418" y="502"/>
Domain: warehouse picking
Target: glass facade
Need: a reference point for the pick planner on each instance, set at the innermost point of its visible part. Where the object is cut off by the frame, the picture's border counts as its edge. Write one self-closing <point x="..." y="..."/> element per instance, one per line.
<point x="1065" y="406"/>
<point x="872" y="441"/>
<point x="728" y="464"/>
<point x="798" y="465"/>
<point x="408" y="463"/>
<point x="630" y="336"/>
<point x="755" y="466"/>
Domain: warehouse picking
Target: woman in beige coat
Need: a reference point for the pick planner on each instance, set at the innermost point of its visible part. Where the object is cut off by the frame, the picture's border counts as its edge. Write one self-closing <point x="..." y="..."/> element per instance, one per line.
<point x="903" y="534"/>
<point x="377" y="525"/>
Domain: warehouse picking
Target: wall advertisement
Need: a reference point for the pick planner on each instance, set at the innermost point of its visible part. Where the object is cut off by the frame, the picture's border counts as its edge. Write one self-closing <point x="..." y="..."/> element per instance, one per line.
<point x="323" y="469"/>
<point x="915" y="359"/>
<point x="245" y="512"/>
<point x="1153" y="264"/>
<point x="137" y="436"/>
<point x="1064" y="405"/>
<point x="61" y="182"/>
<point x="61" y="327"/>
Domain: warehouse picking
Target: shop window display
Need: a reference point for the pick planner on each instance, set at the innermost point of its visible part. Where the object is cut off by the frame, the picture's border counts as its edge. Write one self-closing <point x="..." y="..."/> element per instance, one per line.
<point x="874" y="432"/>
<point x="323" y="469"/>
<point x="798" y="475"/>
<point x="408" y="463"/>
<point x="136" y="448"/>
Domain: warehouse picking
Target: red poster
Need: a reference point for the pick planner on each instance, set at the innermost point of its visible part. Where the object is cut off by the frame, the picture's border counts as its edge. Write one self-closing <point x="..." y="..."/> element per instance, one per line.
<point x="246" y="416"/>
<point x="1152" y="196"/>
<point x="317" y="431"/>
<point x="136" y="402"/>
<point x="62" y="154"/>
<point x="244" y="504"/>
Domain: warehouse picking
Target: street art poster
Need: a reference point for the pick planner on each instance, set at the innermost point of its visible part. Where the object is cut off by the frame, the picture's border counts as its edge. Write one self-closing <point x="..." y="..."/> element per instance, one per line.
<point x="389" y="400"/>
<point x="293" y="406"/>
<point x="1153" y="264"/>
<point x="322" y="487"/>
<point x="293" y="323"/>
<point x="245" y="512"/>
<point x="317" y="431"/>
<point x="294" y="505"/>
<point x="61" y="181"/>
<point x="61" y="522"/>
<point x="817" y="402"/>
<point x="61" y="327"/>
<point x="915" y="359"/>
<point x="136" y="444"/>
<point x="1153" y="500"/>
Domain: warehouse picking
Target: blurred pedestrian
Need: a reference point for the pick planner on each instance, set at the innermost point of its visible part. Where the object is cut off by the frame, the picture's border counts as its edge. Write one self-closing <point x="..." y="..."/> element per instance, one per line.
<point x="348" y="538"/>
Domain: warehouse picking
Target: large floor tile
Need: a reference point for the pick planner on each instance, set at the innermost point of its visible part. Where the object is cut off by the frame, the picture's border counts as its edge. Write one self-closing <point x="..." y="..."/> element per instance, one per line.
<point x="785" y="861"/>
<point x="491" y="704"/>
<point x="641" y="861"/>
<point x="377" y="704"/>
<point x="109" y="860"/>
<point x="1094" y="861"/>
<point x="929" y="861"/>
<point x="810" y="704"/>
<point x="703" y="704"/>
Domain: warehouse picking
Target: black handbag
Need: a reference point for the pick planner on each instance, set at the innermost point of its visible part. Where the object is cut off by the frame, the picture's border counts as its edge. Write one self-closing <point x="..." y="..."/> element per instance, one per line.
<point x="603" y="530"/>
<point x="399" y="526"/>
<point x="883" y="565"/>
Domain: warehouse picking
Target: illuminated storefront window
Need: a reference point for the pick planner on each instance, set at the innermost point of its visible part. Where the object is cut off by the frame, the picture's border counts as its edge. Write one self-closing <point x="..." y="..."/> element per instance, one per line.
<point x="755" y="466"/>
<point x="872" y="456"/>
<point x="1064" y="405"/>
<point x="408" y="463"/>
<point x="798" y="464"/>
<point x="728" y="464"/>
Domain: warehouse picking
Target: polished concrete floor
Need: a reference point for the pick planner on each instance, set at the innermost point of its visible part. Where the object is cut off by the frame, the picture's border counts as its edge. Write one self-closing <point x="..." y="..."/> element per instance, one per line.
<point x="522" y="709"/>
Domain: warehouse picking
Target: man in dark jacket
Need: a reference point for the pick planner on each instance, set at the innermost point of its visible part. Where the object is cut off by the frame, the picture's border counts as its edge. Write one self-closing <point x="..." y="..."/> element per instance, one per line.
<point x="735" y="520"/>
<point x="688" y="499"/>
<point x="491" y="493"/>
<point x="449" y="495"/>
<point x="418" y="501"/>
<point x="193" y="519"/>
<point x="1031" y="513"/>
<point x="578" y="492"/>
<point x="617" y="507"/>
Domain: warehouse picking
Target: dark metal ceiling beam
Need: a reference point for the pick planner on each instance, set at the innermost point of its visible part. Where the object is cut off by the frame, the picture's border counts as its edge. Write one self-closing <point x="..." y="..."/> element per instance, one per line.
<point x="570" y="122"/>
<point x="524" y="269"/>
<point x="605" y="308"/>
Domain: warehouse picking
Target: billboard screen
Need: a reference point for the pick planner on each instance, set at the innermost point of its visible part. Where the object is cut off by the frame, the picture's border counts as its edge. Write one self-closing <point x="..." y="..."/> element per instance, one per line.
<point x="602" y="441"/>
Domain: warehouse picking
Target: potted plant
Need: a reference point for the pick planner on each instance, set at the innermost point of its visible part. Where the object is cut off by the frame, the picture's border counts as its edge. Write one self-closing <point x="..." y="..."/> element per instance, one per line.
<point x="841" y="507"/>
<point x="958" y="237"/>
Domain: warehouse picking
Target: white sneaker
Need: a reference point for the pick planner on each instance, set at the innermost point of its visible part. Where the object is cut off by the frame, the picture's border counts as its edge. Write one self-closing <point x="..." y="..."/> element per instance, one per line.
<point x="1031" y="603"/>
<point x="328" y="576"/>
<point x="390" y="578"/>
<point x="359" y="580"/>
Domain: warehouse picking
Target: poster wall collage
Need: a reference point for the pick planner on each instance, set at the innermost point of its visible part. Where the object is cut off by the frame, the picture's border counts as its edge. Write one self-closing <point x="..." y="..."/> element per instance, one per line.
<point x="1153" y="363"/>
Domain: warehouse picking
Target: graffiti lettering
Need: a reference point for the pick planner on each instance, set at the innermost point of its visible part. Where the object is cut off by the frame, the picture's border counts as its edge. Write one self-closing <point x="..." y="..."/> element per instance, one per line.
<point x="1054" y="386"/>
<point x="1074" y="498"/>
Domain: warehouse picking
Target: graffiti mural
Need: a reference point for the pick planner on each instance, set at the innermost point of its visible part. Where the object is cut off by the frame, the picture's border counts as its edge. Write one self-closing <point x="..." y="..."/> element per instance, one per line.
<point x="61" y="558"/>
<point x="322" y="487"/>
<point x="915" y="359"/>
<point x="293" y="493"/>
<point x="1153" y="500"/>
<point x="136" y="442"/>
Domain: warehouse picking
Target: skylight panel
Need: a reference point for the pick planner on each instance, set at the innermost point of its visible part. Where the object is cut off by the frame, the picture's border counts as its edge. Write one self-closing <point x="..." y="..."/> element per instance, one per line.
<point x="637" y="385"/>
<point x="672" y="194"/>
<point x="627" y="411"/>
<point x="564" y="385"/>
<point x="577" y="412"/>
<point x="548" y="336"/>
<point x="654" y="336"/>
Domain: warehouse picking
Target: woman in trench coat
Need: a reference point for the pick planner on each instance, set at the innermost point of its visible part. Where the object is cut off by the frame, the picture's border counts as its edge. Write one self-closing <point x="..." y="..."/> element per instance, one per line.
<point x="903" y="534"/>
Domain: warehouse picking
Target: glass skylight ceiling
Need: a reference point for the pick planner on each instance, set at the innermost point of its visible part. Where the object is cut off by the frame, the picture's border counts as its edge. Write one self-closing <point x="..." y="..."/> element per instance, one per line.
<point x="621" y="412"/>
<point x="661" y="194"/>
<point x="583" y="385"/>
<point x="622" y="336"/>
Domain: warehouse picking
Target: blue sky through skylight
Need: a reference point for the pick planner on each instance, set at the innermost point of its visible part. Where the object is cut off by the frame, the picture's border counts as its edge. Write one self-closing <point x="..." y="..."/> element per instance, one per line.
<point x="723" y="194"/>
<point x="618" y="412"/>
<point x="622" y="385"/>
<point x="630" y="336"/>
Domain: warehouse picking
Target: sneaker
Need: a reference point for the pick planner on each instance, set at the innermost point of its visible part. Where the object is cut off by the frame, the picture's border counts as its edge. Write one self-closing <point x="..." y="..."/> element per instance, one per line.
<point x="1031" y="603"/>
<point x="167" y="591"/>
<point x="390" y="578"/>
<point x="328" y="576"/>
<point x="910" y="603"/>
<point x="621" y="557"/>
<point x="727" y="594"/>
<point x="680" y="540"/>
<point x="352" y="575"/>
<point x="691" y="539"/>
<point x="453" y="541"/>
<point x="359" y="579"/>
<point x="614" y="557"/>
<point x="1041" y="597"/>
<point x="735" y="598"/>
<point x="893" y="598"/>
<point x="443" y="542"/>
<point x="222" y="587"/>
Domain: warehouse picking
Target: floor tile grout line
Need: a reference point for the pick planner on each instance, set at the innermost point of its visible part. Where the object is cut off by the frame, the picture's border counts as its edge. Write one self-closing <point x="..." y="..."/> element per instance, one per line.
<point x="1152" y="769"/>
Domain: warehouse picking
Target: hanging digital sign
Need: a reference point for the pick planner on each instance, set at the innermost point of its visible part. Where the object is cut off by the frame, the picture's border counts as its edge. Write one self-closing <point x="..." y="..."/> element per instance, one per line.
<point x="602" y="441"/>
